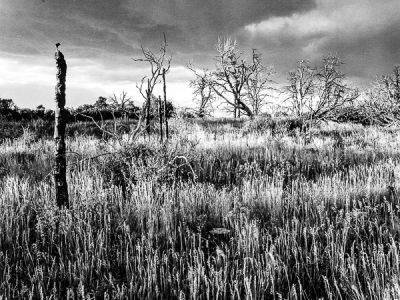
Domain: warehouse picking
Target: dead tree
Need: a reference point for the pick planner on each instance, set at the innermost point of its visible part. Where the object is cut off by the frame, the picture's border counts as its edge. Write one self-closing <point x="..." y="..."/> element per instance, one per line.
<point x="301" y="88"/>
<point x="160" y="117"/>
<point x="389" y="86"/>
<point x="158" y="63"/>
<point x="333" y="94"/>
<point x="242" y="86"/>
<point x="60" y="168"/>
<point x="122" y="104"/>
<point x="259" y="84"/>
<point x="165" y="103"/>
<point x="203" y="92"/>
<point x="382" y="103"/>
<point x="229" y="79"/>
<point x="231" y="75"/>
<point x="317" y="94"/>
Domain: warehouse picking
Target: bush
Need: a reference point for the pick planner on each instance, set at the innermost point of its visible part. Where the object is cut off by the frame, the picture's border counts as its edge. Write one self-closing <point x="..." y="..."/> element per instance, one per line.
<point x="275" y="125"/>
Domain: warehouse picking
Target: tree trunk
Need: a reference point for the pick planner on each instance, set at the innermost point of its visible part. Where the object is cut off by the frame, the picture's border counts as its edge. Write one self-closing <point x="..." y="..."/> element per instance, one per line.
<point x="148" y="103"/>
<point x="235" y="109"/>
<point x="60" y="168"/>
<point x="237" y="106"/>
<point x="244" y="107"/>
<point x="160" y="117"/>
<point x="201" y="113"/>
<point x="165" y="105"/>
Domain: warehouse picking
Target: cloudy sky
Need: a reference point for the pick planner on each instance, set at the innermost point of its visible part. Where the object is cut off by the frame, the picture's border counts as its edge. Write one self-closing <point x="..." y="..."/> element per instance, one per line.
<point x="99" y="38"/>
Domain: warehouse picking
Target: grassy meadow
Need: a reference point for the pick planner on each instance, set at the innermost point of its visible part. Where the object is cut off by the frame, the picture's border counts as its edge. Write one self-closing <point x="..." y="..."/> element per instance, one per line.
<point x="225" y="210"/>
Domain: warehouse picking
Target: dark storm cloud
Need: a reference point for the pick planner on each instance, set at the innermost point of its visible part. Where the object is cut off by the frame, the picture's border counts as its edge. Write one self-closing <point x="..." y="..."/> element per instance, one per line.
<point x="119" y="27"/>
<point x="201" y="21"/>
<point x="364" y="33"/>
<point x="101" y="36"/>
<point x="79" y="24"/>
<point x="369" y="55"/>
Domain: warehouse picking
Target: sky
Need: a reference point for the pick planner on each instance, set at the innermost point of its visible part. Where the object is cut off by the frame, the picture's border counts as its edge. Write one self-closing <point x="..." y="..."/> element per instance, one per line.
<point x="99" y="38"/>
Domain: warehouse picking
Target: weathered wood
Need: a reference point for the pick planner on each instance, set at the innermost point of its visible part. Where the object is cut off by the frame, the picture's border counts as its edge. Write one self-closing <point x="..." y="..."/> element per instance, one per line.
<point x="165" y="105"/>
<point x="60" y="167"/>
<point x="235" y="109"/>
<point x="148" y="107"/>
<point x="160" y="117"/>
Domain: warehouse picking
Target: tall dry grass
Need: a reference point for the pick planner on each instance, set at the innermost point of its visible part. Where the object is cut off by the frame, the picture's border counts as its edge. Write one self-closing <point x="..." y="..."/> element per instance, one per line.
<point x="270" y="215"/>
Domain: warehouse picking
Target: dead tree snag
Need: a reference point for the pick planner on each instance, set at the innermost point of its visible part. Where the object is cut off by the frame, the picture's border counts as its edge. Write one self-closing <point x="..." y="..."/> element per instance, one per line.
<point x="60" y="167"/>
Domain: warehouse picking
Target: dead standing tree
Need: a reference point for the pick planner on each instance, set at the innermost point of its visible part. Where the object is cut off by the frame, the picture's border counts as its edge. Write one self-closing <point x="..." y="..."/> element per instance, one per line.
<point x="231" y="75"/>
<point x="165" y="101"/>
<point x="319" y="94"/>
<point x="160" y="118"/>
<point x="382" y="104"/>
<point x="259" y="84"/>
<point x="232" y="78"/>
<point x="60" y="168"/>
<point x="121" y="104"/>
<point x="333" y="93"/>
<point x="159" y="65"/>
<point x="242" y="86"/>
<point x="203" y="93"/>
<point x="301" y="88"/>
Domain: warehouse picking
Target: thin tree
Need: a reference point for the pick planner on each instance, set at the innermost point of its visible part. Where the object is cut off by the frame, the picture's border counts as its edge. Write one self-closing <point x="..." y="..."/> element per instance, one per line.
<point x="165" y="102"/>
<point x="382" y="103"/>
<point x="158" y="63"/>
<point x="333" y="94"/>
<point x="60" y="166"/>
<point x="389" y="86"/>
<point x="300" y="88"/>
<point x="230" y="77"/>
<point x="259" y="84"/>
<point x="120" y="104"/>
<point x="204" y="94"/>
<point x="317" y="94"/>
<point x="242" y="86"/>
<point x="228" y="80"/>
<point x="160" y="117"/>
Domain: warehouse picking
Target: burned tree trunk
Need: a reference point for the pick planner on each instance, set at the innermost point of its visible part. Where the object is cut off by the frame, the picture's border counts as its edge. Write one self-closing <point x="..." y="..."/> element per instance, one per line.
<point x="235" y="109"/>
<point x="160" y="111"/>
<point x="60" y="168"/>
<point x="165" y="105"/>
<point x="148" y="107"/>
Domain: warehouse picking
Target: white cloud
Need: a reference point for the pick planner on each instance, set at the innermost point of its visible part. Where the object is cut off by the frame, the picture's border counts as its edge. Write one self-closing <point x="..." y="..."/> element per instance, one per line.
<point x="300" y="25"/>
<point x="30" y="82"/>
<point x="356" y="18"/>
<point x="14" y="71"/>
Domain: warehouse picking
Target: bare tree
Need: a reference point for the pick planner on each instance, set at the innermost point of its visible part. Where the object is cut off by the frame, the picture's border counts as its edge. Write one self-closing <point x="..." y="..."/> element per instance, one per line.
<point x="229" y="79"/>
<point x="121" y="104"/>
<point x="159" y="64"/>
<point x="60" y="167"/>
<point x="333" y="92"/>
<point x="300" y="90"/>
<point x="165" y="101"/>
<point x="319" y="93"/>
<point x="389" y="86"/>
<point x="203" y="92"/>
<point x="382" y="103"/>
<point x="258" y="84"/>
<point x="242" y="86"/>
<point x="160" y="117"/>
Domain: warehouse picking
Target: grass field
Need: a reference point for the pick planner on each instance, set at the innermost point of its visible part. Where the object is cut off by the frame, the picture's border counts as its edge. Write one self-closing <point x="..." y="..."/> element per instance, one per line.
<point x="226" y="210"/>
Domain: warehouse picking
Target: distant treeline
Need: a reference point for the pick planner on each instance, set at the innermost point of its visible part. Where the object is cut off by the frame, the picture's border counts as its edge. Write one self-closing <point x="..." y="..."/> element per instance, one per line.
<point x="102" y="110"/>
